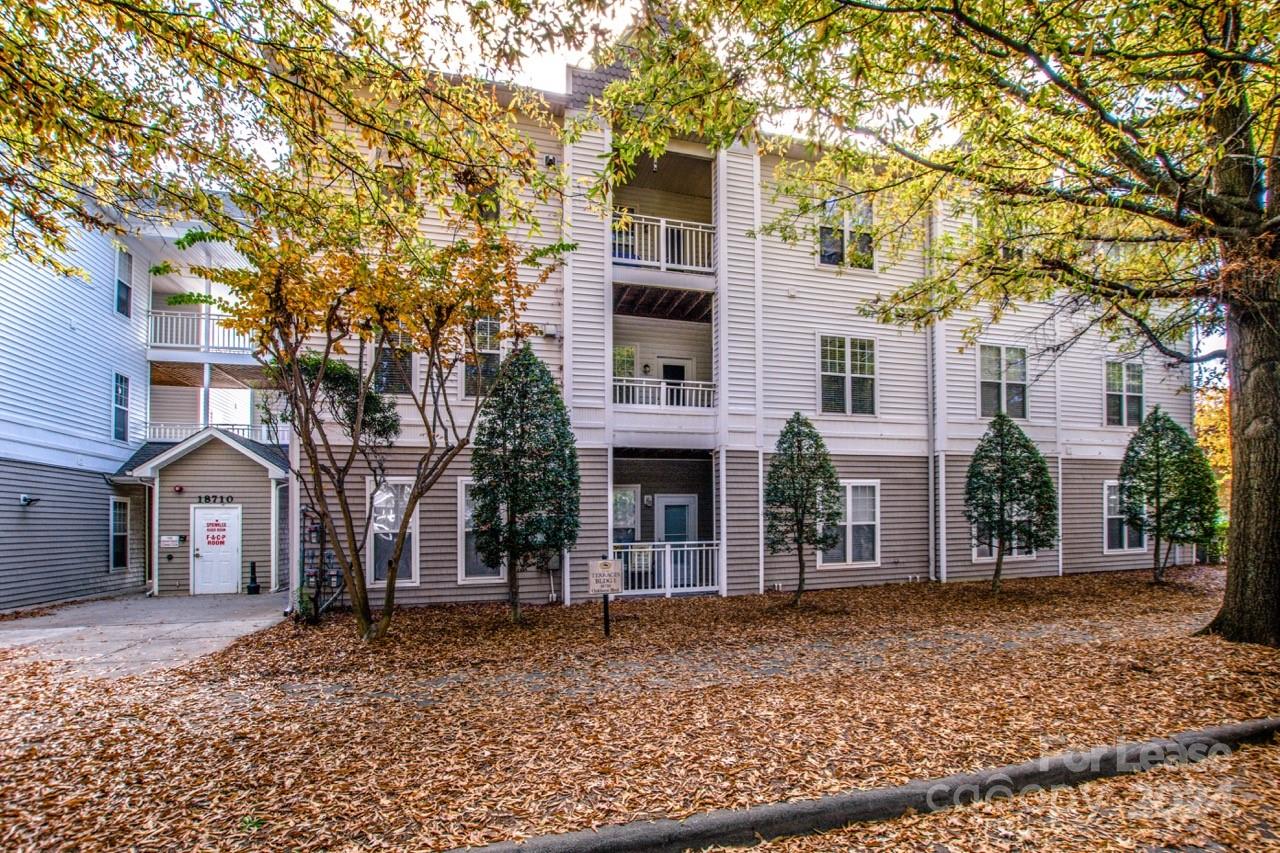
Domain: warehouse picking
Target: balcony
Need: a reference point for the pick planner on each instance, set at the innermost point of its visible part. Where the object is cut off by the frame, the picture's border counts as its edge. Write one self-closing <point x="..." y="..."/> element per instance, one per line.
<point x="668" y="568"/>
<point x="661" y="393"/>
<point x="254" y="432"/>
<point x="668" y="245"/>
<point x="197" y="332"/>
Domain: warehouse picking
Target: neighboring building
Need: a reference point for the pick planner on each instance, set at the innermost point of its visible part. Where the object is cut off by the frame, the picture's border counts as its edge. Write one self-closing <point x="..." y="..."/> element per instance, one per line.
<point x="682" y="341"/>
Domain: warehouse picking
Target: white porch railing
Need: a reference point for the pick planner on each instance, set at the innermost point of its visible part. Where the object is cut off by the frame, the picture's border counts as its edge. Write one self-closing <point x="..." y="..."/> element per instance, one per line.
<point x="664" y="568"/>
<point x="663" y="393"/>
<point x="196" y="330"/>
<point x="254" y="432"/>
<point x="665" y="244"/>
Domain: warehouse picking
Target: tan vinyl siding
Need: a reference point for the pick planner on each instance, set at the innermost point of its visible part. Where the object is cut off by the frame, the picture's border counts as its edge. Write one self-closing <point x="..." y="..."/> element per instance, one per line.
<point x="173" y="404"/>
<point x="644" y="201"/>
<point x="960" y="562"/>
<point x="59" y="547"/>
<point x="904" y="527"/>
<point x="1082" y="519"/>
<point x="593" y="534"/>
<point x="742" y="514"/>
<point x="214" y="469"/>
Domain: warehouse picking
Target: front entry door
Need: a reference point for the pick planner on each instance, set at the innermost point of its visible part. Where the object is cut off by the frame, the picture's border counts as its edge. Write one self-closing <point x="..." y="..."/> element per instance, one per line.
<point x="676" y="517"/>
<point x="674" y="374"/>
<point x="215" y="549"/>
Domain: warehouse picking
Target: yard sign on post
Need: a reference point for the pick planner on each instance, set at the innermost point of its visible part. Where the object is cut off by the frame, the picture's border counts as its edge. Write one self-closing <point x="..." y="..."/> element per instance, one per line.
<point x="604" y="578"/>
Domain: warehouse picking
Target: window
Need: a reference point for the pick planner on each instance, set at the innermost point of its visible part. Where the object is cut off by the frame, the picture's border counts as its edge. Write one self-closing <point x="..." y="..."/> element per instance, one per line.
<point x="393" y="372"/>
<point x="1003" y="381"/>
<point x="471" y="566"/>
<point x="1120" y="535"/>
<point x="848" y="375"/>
<point x="984" y="546"/>
<point x="858" y="533"/>
<point x="488" y="205"/>
<point x="390" y="501"/>
<point x="626" y="513"/>
<point x="844" y="238"/>
<point x="483" y="372"/>
<point x="1124" y="393"/>
<point x="124" y="283"/>
<point x="624" y="360"/>
<point x="120" y="409"/>
<point x="119" y="533"/>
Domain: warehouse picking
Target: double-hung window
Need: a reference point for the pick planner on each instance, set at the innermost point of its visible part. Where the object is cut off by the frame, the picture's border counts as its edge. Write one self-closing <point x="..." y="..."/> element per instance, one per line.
<point x="984" y="546"/>
<point x="120" y="408"/>
<point x="1124" y="393"/>
<point x="393" y="369"/>
<point x="124" y="283"/>
<point x="483" y="372"/>
<point x="1003" y="380"/>
<point x="844" y="237"/>
<point x="119" y="533"/>
<point x="858" y="533"/>
<point x="390" y="501"/>
<point x="471" y="566"/>
<point x="1121" y="536"/>
<point x="848" y="375"/>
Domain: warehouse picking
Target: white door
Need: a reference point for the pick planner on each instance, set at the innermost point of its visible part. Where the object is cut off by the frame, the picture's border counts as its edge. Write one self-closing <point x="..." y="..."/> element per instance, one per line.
<point x="215" y="549"/>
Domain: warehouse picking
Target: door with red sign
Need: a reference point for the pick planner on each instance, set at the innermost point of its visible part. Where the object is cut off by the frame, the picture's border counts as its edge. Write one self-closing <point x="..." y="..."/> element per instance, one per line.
<point x="215" y="549"/>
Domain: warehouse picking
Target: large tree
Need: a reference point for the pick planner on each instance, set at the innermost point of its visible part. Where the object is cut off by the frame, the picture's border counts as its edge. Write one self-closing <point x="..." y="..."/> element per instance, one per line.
<point x="1167" y="487"/>
<point x="1117" y="158"/>
<point x="802" y="503"/>
<point x="1009" y="496"/>
<point x="525" y="468"/>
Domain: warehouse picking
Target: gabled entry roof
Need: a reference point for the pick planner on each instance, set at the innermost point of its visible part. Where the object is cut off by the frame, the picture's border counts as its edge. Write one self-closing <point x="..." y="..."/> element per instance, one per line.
<point x="154" y="455"/>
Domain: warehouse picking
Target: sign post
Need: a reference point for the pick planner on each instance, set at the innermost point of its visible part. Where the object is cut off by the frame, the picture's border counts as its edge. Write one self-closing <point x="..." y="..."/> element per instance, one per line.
<point x="604" y="578"/>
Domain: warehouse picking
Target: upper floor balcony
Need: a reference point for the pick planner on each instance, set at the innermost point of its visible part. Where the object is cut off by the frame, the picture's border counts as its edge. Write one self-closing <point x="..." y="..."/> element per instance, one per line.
<point x="263" y="433"/>
<point x="196" y="336"/>
<point x="663" y="232"/>
<point x="662" y="244"/>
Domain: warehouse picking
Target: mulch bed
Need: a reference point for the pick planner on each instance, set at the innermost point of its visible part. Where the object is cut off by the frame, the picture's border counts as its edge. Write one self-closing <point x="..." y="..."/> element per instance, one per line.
<point x="464" y="729"/>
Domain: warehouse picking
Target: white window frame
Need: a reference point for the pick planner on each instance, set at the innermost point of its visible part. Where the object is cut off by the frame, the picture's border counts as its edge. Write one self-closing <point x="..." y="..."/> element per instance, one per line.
<point x="462" y="378"/>
<point x="463" y="580"/>
<point x="121" y="254"/>
<point x="1124" y="394"/>
<point x="635" y="489"/>
<point x="1146" y="540"/>
<point x="413" y="369"/>
<point x="824" y="220"/>
<point x="116" y="408"/>
<point x="1012" y="557"/>
<point x="635" y="361"/>
<point x="848" y="396"/>
<point x="415" y="528"/>
<point x="116" y="500"/>
<point x="1004" y="380"/>
<point x="845" y="486"/>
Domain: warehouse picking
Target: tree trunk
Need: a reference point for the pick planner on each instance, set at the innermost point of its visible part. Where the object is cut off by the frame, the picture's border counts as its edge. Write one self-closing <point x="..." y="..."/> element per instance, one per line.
<point x="995" y="577"/>
<point x="1251" y="606"/>
<point x="1157" y="567"/>
<point x="513" y="587"/>
<point x="795" y="599"/>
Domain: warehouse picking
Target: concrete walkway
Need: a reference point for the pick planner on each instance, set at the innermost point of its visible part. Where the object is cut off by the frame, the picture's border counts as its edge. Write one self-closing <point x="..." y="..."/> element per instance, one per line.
<point x="132" y="634"/>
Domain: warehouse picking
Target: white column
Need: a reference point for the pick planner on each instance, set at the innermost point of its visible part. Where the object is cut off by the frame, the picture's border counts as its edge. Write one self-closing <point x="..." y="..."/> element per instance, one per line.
<point x="204" y="394"/>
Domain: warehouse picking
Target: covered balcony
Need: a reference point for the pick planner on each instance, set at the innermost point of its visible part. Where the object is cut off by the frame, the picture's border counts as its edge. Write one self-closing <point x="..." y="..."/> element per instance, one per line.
<point x="664" y="522"/>
<point x="663" y="231"/>
<point x="196" y="331"/>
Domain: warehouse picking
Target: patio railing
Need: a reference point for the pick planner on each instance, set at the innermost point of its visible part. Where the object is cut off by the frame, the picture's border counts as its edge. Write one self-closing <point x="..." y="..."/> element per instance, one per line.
<point x="665" y="244"/>
<point x="198" y="331"/>
<point x="663" y="393"/>
<point x="254" y="432"/>
<point x="664" y="568"/>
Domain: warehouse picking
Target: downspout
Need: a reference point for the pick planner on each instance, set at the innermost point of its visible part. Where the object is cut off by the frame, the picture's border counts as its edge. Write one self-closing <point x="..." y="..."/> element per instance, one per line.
<point x="931" y="403"/>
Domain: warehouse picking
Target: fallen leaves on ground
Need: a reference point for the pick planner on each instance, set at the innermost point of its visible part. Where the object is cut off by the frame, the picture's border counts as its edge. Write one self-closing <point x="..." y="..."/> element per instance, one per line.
<point x="465" y="729"/>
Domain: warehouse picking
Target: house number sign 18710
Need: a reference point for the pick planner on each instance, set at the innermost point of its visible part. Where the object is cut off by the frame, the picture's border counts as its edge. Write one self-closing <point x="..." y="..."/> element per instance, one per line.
<point x="215" y="499"/>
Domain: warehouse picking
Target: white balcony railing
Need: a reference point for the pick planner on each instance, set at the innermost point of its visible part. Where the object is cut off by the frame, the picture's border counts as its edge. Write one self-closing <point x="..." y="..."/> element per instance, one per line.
<point x="664" y="568"/>
<point x="665" y="244"/>
<point x="663" y="393"/>
<point x="255" y="432"/>
<point x="196" y="330"/>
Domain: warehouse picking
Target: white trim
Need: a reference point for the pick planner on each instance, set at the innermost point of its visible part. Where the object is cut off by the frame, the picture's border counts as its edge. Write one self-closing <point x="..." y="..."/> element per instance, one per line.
<point x="723" y="538"/>
<point x="461" y="542"/>
<point x="414" y="529"/>
<point x="1026" y="380"/>
<point x="659" y="526"/>
<point x="760" y="512"/>
<point x="943" y="542"/>
<point x="848" y="523"/>
<point x="1146" y="540"/>
<point x="128" y="408"/>
<point x="846" y="230"/>
<point x="191" y="546"/>
<point x="636" y="488"/>
<point x="154" y="544"/>
<point x="1124" y="424"/>
<point x="152" y="467"/>
<point x="111" y="533"/>
<point x="275" y="535"/>
<point x="1060" y="547"/>
<point x="818" y="335"/>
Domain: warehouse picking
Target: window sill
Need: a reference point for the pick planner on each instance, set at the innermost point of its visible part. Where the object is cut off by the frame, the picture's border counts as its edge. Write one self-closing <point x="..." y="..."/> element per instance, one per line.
<point x="1116" y="552"/>
<point x="871" y="565"/>
<point x="372" y="584"/>
<point x="482" y="581"/>
<point x="1010" y="558"/>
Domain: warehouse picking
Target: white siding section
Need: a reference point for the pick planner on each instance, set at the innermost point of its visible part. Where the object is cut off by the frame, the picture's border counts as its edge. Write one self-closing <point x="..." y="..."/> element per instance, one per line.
<point x="591" y="307"/>
<point x="654" y="339"/>
<point x="644" y="201"/>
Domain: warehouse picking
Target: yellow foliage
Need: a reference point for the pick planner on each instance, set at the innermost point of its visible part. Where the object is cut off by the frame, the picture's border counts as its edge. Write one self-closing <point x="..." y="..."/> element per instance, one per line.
<point x="1213" y="431"/>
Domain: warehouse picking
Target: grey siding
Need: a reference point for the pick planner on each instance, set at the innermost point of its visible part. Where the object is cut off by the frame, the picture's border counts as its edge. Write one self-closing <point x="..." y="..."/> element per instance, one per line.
<point x="669" y="477"/>
<point x="960" y="563"/>
<point x="59" y="548"/>
<point x="1082" y="519"/>
<point x="904" y="527"/>
<point x="214" y="468"/>
<point x="593" y="534"/>
<point x="742" y="514"/>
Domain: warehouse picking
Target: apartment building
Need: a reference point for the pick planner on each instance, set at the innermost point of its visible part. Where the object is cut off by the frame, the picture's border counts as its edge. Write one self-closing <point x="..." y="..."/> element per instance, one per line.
<point x="683" y="338"/>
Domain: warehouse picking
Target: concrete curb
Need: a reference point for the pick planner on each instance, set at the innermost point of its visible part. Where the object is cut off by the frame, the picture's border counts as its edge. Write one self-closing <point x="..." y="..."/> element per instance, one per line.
<point x="749" y="826"/>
